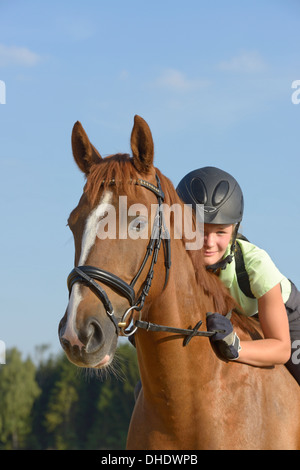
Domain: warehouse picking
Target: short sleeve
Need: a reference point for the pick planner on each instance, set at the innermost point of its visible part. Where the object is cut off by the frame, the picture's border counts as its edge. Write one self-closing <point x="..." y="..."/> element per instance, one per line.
<point x="262" y="272"/>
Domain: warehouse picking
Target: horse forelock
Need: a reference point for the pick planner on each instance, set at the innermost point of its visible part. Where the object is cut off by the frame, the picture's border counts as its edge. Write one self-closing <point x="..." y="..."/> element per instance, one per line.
<point x="115" y="170"/>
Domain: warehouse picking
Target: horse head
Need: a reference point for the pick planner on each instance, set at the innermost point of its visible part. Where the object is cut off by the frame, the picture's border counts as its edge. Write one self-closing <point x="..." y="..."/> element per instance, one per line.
<point x="114" y="259"/>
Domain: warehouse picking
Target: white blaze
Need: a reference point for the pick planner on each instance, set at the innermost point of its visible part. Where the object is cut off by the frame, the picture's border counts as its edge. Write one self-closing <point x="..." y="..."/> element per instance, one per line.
<point x="90" y="230"/>
<point x="88" y="240"/>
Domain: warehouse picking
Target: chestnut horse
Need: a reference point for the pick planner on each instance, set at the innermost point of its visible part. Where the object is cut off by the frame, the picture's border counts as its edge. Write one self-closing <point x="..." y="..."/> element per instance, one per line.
<point x="190" y="398"/>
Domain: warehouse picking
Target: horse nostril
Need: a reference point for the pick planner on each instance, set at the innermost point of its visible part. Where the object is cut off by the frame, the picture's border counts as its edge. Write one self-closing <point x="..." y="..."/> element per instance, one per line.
<point x="94" y="336"/>
<point x="65" y="343"/>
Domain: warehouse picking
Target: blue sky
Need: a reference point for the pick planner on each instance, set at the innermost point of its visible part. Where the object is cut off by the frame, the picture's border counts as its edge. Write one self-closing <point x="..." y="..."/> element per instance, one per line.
<point x="212" y="79"/>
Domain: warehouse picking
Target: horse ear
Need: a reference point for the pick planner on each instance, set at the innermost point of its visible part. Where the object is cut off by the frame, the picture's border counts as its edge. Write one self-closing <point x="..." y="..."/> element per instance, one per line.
<point x="84" y="153"/>
<point x="142" y="145"/>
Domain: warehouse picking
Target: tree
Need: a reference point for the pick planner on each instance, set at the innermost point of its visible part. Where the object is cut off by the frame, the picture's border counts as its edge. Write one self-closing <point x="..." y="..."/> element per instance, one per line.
<point x="60" y="418"/>
<point x="18" y="391"/>
<point x="56" y="405"/>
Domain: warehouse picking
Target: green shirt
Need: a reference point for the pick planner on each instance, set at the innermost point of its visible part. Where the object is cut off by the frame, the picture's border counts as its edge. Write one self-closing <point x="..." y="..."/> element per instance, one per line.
<point x="263" y="276"/>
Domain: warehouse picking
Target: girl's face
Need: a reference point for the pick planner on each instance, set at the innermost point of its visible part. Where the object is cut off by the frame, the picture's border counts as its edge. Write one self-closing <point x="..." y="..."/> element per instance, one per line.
<point x="216" y="239"/>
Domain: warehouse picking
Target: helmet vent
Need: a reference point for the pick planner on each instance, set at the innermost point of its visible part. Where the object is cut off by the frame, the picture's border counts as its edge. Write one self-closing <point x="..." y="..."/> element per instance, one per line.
<point x="198" y="190"/>
<point x="220" y="193"/>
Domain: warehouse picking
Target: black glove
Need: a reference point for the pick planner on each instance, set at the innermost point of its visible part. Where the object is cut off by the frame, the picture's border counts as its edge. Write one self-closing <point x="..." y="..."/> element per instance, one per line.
<point x="225" y="339"/>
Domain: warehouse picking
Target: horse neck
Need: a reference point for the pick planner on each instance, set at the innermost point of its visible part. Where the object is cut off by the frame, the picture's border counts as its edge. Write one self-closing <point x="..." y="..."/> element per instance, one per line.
<point x="184" y="301"/>
<point x="162" y="356"/>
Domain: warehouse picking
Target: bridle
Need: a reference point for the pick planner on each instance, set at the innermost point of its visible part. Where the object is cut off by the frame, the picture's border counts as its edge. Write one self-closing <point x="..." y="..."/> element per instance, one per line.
<point x="88" y="275"/>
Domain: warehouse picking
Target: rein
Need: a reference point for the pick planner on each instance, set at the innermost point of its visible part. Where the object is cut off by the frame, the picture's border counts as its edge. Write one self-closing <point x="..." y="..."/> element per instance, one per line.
<point x="88" y="275"/>
<point x="189" y="333"/>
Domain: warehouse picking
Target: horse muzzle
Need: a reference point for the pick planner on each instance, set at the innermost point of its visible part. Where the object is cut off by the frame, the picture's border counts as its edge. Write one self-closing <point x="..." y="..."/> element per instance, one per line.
<point x="88" y="346"/>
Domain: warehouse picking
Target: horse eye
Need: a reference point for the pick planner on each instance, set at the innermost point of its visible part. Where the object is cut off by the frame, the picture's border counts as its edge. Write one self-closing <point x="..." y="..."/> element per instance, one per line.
<point x="138" y="224"/>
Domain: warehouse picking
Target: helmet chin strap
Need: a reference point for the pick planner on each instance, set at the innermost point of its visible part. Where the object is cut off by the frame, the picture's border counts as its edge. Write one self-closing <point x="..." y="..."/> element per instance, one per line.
<point x="223" y="263"/>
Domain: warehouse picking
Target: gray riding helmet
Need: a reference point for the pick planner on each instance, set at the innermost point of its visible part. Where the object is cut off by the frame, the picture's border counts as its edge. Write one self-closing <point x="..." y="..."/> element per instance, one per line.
<point x="217" y="190"/>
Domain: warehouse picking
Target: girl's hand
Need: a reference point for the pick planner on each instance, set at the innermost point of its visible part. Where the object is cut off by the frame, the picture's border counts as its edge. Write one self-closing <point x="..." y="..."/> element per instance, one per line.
<point x="225" y="339"/>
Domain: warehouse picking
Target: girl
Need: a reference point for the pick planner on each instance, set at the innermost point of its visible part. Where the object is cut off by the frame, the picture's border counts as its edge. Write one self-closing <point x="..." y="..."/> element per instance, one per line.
<point x="270" y="294"/>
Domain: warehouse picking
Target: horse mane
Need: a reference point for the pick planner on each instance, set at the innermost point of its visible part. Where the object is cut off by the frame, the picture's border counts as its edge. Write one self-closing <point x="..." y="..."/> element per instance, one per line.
<point x="119" y="170"/>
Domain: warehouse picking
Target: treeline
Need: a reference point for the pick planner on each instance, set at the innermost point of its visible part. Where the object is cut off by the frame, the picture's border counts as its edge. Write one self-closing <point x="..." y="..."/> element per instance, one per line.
<point x="55" y="405"/>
